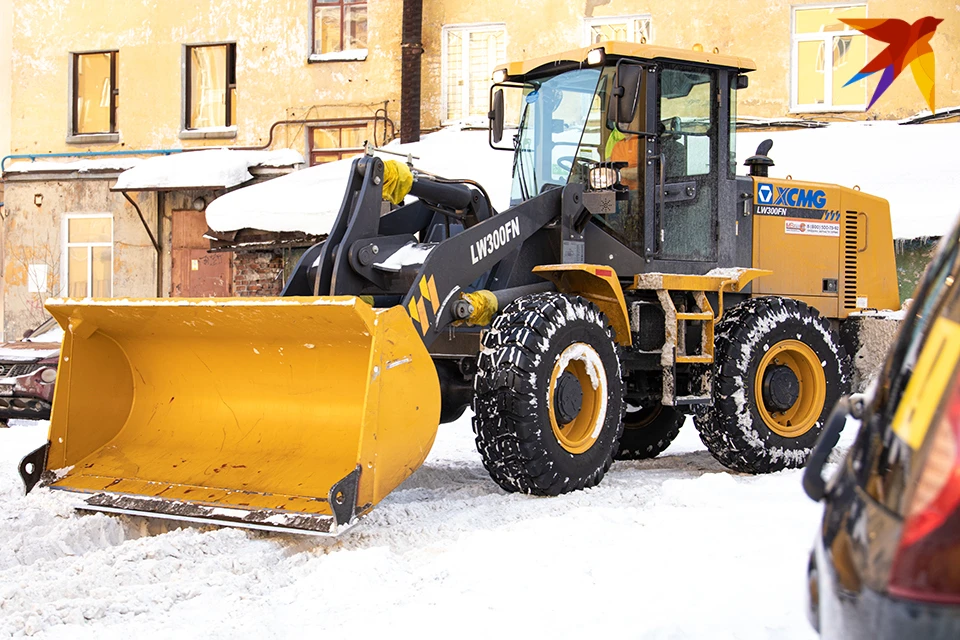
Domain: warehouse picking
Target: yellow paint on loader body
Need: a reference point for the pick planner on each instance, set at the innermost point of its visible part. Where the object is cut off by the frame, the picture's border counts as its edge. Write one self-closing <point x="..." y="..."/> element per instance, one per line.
<point x="255" y="405"/>
<point x="598" y="284"/>
<point x="808" y="234"/>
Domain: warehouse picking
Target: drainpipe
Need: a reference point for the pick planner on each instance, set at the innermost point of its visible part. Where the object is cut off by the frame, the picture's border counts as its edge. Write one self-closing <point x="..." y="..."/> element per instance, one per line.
<point x="411" y="48"/>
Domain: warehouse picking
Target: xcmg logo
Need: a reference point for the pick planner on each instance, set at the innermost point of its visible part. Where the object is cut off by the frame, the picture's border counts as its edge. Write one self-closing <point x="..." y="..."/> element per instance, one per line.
<point x="791" y="196"/>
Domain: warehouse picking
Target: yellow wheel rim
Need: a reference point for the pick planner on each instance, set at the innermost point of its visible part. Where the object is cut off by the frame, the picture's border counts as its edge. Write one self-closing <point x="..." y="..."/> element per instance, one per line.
<point x="578" y="435"/>
<point x="805" y="364"/>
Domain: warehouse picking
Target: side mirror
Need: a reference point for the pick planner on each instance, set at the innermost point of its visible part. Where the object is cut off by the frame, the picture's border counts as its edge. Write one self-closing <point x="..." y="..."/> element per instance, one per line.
<point x="742" y="81"/>
<point x="496" y="117"/>
<point x="813" y="482"/>
<point x="625" y="96"/>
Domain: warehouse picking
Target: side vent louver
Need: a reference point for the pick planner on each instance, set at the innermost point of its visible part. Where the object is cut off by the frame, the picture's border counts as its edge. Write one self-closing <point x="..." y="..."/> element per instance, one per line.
<point x="851" y="244"/>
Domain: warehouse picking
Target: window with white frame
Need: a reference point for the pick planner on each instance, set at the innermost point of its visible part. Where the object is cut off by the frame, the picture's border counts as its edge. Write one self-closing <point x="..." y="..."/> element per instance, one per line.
<point x="89" y="255"/>
<point x="826" y="53"/>
<point x="636" y="28"/>
<point x="469" y="56"/>
<point x="339" y="30"/>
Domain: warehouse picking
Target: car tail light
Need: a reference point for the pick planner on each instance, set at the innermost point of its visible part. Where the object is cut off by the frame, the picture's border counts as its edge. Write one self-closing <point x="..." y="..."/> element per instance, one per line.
<point x="927" y="562"/>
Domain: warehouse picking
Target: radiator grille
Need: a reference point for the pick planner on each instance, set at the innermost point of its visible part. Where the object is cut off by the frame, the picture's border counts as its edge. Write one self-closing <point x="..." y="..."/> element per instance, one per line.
<point x="14" y="370"/>
<point x="851" y="244"/>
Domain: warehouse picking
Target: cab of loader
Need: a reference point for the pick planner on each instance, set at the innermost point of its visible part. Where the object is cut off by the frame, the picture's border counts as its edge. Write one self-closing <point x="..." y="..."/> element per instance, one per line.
<point x="653" y="127"/>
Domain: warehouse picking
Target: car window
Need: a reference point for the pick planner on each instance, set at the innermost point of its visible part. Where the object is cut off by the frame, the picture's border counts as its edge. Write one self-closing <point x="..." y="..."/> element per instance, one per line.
<point x="889" y="470"/>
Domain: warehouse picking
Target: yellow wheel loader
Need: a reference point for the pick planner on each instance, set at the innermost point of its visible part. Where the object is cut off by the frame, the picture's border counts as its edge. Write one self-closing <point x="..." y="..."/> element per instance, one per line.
<point x="634" y="280"/>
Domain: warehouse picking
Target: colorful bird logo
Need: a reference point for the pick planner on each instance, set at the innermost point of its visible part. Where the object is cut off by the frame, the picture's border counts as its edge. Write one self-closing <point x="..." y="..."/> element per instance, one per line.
<point x="909" y="45"/>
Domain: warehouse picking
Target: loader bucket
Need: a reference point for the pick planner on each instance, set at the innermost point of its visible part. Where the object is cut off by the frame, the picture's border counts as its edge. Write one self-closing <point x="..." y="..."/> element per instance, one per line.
<point x="295" y="414"/>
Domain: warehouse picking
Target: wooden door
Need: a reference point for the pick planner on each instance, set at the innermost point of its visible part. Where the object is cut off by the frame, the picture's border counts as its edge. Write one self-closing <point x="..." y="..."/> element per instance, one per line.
<point x="197" y="273"/>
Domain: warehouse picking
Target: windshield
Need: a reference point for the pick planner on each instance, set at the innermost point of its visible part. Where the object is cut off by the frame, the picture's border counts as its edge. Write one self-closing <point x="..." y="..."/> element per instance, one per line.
<point x="555" y="112"/>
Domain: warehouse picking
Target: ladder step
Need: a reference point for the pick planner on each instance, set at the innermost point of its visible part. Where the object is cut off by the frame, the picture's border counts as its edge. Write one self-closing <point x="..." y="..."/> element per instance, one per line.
<point x="695" y="316"/>
<point x="693" y="359"/>
<point x="691" y="400"/>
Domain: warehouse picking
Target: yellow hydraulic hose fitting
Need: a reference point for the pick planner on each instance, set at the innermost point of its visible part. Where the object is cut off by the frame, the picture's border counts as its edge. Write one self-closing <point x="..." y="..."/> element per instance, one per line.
<point x="476" y="308"/>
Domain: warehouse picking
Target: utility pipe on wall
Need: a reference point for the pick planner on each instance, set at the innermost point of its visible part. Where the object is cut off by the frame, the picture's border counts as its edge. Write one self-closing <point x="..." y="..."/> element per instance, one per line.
<point x="411" y="49"/>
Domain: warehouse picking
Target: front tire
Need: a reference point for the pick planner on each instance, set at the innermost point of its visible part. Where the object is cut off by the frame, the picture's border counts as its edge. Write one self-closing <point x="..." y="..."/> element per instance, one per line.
<point x="779" y="369"/>
<point x="548" y="396"/>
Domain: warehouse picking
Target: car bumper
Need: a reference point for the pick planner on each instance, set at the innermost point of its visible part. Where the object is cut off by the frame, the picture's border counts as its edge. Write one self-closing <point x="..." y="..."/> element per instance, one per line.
<point x="869" y="614"/>
<point x="25" y="408"/>
<point x="25" y="396"/>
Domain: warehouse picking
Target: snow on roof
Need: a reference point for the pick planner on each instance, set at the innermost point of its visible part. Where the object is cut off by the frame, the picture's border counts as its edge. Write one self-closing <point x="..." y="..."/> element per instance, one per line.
<point x="309" y="200"/>
<point x="209" y="168"/>
<point x="306" y="200"/>
<point x="115" y="163"/>
<point x="910" y="166"/>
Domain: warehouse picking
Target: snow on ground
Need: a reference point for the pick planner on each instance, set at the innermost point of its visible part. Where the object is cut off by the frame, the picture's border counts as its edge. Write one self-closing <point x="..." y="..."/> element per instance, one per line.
<point x="675" y="547"/>
<point x="912" y="166"/>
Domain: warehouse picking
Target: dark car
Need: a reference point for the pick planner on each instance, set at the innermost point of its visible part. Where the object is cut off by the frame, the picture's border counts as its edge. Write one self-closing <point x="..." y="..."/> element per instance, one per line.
<point x="28" y="371"/>
<point x="886" y="561"/>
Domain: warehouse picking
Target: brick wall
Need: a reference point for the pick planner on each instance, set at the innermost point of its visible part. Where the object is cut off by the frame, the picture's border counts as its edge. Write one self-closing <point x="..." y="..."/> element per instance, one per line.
<point x="257" y="273"/>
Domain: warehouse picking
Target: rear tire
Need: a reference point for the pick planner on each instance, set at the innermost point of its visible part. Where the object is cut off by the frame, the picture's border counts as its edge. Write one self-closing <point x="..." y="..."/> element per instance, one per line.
<point x="779" y="369"/>
<point x="648" y="431"/>
<point x="535" y="434"/>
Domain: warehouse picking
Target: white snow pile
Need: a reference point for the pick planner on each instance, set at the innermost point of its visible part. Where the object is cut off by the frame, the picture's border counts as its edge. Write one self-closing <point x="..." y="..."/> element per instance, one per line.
<point x="912" y="166"/>
<point x="909" y="165"/>
<point x="306" y="200"/>
<point x="221" y="168"/>
<point x="674" y="547"/>
<point x="53" y="334"/>
<point x="309" y="200"/>
<point x="113" y="163"/>
<point x="25" y="353"/>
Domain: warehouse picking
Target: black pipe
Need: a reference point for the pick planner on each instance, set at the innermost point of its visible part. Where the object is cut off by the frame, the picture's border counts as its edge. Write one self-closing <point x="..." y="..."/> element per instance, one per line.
<point x="451" y="195"/>
<point x="506" y="296"/>
<point x="321" y="122"/>
<point x="411" y="48"/>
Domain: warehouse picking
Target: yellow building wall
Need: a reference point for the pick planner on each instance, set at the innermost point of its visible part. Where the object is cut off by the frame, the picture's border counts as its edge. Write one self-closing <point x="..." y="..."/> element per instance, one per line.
<point x="274" y="79"/>
<point x="276" y="82"/>
<point x="6" y="34"/>
<point x="33" y="236"/>
<point x="758" y="29"/>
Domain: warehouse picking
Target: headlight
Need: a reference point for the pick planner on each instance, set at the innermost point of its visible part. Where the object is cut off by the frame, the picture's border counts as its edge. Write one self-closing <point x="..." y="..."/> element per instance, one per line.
<point x="602" y="177"/>
<point x="595" y="56"/>
<point x="499" y="76"/>
<point x="48" y="375"/>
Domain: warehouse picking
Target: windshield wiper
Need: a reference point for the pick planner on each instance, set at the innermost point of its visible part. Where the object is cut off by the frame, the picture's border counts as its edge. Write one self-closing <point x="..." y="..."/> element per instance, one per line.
<point x="518" y="169"/>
